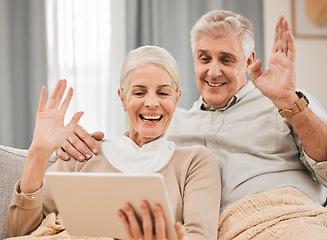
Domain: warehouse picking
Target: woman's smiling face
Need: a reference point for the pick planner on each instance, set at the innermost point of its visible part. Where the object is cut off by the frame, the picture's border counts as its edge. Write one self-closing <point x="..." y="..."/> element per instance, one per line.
<point x="150" y="101"/>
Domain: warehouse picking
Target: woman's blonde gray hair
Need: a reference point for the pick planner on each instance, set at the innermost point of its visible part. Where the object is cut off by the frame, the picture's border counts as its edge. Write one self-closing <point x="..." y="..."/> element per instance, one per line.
<point x="220" y="23"/>
<point x="149" y="55"/>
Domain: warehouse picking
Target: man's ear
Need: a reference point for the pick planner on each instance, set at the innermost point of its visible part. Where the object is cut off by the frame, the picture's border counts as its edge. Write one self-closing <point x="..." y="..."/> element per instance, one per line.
<point x="249" y="62"/>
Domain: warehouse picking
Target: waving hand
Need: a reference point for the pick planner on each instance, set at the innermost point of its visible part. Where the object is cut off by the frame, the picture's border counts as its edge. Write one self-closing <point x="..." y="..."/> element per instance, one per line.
<point x="49" y="134"/>
<point x="50" y="131"/>
<point x="278" y="81"/>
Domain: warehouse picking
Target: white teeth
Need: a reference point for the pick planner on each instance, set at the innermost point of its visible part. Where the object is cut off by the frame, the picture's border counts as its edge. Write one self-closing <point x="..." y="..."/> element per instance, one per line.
<point x="152" y="117"/>
<point x="215" y="85"/>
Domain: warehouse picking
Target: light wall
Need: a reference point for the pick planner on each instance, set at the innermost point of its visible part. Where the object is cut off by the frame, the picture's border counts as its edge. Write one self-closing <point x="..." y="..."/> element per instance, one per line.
<point x="311" y="53"/>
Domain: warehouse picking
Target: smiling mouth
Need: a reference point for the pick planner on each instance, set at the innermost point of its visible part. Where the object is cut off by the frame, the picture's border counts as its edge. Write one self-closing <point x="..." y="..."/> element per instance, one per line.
<point x="151" y="118"/>
<point x="215" y="85"/>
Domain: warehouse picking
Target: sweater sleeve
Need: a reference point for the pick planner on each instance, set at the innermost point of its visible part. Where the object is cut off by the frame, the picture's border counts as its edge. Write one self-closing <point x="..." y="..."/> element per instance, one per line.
<point x="26" y="212"/>
<point x="202" y="192"/>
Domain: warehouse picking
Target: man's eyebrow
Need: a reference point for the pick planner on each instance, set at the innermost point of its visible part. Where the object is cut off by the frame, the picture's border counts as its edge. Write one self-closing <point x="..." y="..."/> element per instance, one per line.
<point x="230" y="55"/>
<point x="202" y="51"/>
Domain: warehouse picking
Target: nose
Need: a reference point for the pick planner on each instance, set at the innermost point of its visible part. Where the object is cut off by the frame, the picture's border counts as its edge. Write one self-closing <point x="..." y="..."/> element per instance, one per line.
<point x="152" y="101"/>
<point x="214" y="70"/>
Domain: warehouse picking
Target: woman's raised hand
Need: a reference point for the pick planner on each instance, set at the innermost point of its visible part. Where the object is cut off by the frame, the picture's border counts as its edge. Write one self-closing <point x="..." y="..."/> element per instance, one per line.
<point x="50" y="131"/>
<point x="151" y="228"/>
<point x="49" y="134"/>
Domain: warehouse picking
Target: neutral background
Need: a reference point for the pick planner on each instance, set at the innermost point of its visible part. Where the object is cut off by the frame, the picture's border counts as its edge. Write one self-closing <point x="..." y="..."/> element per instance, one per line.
<point x="24" y="68"/>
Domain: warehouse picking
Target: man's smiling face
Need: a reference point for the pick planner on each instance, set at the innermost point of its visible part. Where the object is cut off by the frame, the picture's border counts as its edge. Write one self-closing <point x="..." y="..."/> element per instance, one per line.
<point x="220" y="68"/>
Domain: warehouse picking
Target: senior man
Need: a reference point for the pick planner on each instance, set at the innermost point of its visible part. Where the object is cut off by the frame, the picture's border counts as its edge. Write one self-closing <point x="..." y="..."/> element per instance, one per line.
<point x="270" y="140"/>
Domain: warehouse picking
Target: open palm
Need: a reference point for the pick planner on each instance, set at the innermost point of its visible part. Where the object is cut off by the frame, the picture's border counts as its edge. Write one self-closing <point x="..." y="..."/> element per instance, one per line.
<point x="50" y="131"/>
<point x="278" y="81"/>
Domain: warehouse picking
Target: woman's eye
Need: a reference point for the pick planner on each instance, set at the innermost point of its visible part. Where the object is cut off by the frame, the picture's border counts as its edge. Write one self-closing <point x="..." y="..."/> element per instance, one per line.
<point x="139" y="93"/>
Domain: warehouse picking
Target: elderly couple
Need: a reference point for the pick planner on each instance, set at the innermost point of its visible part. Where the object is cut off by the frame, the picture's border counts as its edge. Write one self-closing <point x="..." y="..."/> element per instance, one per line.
<point x="270" y="145"/>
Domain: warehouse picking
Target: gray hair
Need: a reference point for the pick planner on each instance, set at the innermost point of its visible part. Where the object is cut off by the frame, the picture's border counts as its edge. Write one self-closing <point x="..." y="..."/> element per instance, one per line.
<point x="220" y="23"/>
<point x="149" y="55"/>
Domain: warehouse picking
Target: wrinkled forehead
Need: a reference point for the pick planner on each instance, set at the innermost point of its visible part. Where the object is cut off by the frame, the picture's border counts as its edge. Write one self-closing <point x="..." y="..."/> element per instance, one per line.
<point x="231" y="43"/>
<point x="149" y="75"/>
<point x="218" y="36"/>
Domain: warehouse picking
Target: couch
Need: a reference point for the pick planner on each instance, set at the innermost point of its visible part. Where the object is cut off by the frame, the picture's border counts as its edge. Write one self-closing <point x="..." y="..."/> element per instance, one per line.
<point x="12" y="162"/>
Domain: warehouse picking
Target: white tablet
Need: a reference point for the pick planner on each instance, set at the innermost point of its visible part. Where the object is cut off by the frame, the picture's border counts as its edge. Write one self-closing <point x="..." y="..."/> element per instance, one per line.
<point x="88" y="202"/>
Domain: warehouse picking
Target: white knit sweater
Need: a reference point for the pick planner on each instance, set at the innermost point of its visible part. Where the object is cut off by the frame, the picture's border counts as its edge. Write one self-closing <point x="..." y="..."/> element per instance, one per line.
<point x="125" y="155"/>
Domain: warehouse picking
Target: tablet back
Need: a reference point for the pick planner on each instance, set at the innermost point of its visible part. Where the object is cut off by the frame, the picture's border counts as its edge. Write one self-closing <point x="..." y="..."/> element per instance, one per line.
<point x="88" y="202"/>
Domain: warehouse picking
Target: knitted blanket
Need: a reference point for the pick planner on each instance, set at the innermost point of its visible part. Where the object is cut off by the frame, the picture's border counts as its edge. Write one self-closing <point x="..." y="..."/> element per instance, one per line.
<point x="52" y="228"/>
<point x="279" y="214"/>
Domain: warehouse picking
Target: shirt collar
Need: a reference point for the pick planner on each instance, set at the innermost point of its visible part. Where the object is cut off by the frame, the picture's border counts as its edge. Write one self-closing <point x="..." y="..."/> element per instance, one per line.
<point x="247" y="88"/>
<point x="156" y="145"/>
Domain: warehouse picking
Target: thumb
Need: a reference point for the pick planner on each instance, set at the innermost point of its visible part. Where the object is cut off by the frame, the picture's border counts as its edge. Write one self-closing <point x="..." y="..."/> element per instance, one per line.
<point x="180" y="230"/>
<point x="76" y="118"/>
<point x="98" y="135"/>
<point x="255" y="69"/>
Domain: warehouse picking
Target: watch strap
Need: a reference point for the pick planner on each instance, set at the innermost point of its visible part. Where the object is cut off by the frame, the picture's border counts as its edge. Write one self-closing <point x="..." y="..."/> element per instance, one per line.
<point x="295" y="108"/>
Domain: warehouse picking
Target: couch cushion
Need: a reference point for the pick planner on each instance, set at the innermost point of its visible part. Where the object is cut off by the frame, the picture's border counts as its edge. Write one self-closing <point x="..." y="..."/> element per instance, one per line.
<point x="12" y="162"/>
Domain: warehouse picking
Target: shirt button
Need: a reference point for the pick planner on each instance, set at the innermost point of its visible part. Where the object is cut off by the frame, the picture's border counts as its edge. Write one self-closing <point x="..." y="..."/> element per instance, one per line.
<point x="219" y="111"/>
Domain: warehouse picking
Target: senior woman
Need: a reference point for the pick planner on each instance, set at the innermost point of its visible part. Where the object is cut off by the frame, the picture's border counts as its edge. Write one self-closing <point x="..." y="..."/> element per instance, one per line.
<point x="149" y="92"/>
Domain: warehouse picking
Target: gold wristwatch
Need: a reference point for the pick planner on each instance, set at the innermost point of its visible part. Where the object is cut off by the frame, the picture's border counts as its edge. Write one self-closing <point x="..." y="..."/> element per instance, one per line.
<point x="297" y="107"/>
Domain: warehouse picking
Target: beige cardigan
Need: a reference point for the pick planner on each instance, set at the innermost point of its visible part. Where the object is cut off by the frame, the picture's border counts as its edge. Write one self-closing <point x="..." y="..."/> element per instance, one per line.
<point x="191" y="176"/>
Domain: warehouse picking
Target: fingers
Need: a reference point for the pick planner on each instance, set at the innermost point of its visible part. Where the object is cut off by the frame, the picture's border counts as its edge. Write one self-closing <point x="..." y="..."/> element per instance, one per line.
<point x="88" y="140"/>
<point x="284" y="41"/>
<point x="134" y="226"/>
<point x="147" y="223"/>
<point x="124" y="220"/>
<point x="180" y="230"/>
<point x="68" y="148"/>
<point x="159" y="221"/>
<point x="290" y="46"/>
<point x="56" y="96"/>
<point x="79" y="145"/>
<point x="279" y="35"/>
<point x="61" y="154"/>
<point x="67" y="100"/>
<point x="42" y="101"/>
<point x="75" y="147"/>
<point x="277" y="39"/>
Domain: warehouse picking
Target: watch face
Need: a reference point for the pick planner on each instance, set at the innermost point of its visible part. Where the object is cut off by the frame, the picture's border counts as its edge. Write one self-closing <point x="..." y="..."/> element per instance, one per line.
<point x="301" y="95"/>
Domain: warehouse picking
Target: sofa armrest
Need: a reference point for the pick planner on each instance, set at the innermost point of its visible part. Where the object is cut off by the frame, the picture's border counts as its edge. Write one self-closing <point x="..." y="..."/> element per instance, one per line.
<point x="12" y="162"/>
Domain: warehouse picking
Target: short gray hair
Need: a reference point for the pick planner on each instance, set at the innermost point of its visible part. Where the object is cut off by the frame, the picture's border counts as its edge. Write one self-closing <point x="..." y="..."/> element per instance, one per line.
<point x="149" y="55"/>
<point x="220" y="23"/>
